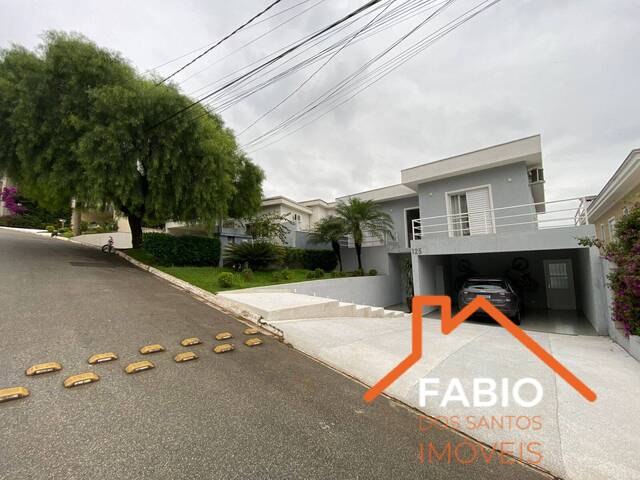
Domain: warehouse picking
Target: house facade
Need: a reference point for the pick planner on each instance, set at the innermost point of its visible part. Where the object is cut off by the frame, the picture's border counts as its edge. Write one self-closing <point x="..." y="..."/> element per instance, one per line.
<point x="617" y="196"/>
<point x="485" y="213"/>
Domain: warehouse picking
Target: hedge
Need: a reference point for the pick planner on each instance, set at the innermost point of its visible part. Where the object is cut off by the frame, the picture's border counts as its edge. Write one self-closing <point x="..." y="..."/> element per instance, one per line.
<point x="183" y="250"/>
<point x="319" y="259"/>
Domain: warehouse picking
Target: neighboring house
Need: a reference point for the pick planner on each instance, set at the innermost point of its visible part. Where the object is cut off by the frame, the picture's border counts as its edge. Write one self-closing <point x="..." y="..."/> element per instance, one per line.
<point x="485" y="213"/>
<point x="617" y="196"/>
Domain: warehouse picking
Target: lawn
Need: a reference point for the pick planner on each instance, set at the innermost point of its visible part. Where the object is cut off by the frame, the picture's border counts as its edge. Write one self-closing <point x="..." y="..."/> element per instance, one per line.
<point x="207" y="277"/>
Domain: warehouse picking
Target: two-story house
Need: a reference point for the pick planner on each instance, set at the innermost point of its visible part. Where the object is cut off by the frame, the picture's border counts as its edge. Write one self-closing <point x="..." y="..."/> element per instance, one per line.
<point x="484" y="213"/>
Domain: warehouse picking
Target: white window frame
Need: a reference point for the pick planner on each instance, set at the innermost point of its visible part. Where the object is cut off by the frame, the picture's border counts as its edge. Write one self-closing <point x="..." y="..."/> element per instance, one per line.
<point x="612" y="228"/>
<point x="447" y="201"/>
<point x="603" y="232"/>
<point x="407" y="240"/>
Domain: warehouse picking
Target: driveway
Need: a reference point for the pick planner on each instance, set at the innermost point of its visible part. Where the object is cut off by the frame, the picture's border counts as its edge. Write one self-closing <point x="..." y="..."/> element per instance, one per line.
<point x="576" y="439"/>
<point x="263" y="412"/>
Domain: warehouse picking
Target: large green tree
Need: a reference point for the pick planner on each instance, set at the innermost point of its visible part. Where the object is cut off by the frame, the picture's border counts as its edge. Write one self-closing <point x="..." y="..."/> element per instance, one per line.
<point x="364" y="216"/>
<point x="78" y="122"/>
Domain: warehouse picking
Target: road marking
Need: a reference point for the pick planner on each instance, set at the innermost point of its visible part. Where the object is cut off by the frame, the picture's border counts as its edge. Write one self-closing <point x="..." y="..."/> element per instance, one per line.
<point x="185" y="357"/>
<point x="224" y="336"/>
<point x="13" y="393"/>
<point x="80" y="379"/>
<point x="251" y="331"/>
<point x="41" y="368"/>
<point x="155" y="348"/>
<point x="253" y="342"/>
<point x="102" y="357"/>
<point x="141" y="366"/>
<point x="189" y="342"/>
<point x="225" y="347"/>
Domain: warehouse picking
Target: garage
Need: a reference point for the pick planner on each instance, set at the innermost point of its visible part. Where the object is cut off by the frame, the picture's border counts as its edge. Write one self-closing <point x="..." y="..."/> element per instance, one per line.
<point x="555" y="287"/>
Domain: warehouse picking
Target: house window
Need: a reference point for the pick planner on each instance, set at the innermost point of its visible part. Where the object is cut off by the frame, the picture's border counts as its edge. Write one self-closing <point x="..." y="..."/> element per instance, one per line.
<point x="459" y="215"/>
<point x="603" y="232"/>
<point x="612" y="228"/>
<point x="411" y="214"/>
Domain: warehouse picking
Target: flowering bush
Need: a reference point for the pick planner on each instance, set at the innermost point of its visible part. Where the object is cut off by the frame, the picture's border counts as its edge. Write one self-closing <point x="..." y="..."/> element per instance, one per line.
<point x="8" y="196"/>
<point x="624" y="251"/>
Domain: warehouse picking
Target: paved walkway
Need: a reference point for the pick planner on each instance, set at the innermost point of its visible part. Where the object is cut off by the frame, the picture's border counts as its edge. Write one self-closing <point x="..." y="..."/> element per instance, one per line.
<point x="578" y="440"/>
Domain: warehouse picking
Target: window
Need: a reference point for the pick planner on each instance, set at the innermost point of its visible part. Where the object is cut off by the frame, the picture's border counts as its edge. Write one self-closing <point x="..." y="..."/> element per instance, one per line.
<point x="612" y="228"/>
<point x="603" y="233"/>
<point x="410" y="214"/>
<point x="536" y="175"/>
<point x="625" y="211"/>
<point x="459" y="215"/>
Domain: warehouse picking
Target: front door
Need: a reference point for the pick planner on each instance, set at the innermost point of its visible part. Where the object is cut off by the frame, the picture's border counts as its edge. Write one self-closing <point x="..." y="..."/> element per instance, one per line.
<point x="561" y="293"/>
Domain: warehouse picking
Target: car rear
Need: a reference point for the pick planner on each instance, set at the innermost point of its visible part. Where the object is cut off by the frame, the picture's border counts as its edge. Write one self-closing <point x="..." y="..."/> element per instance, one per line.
<point x="496" y="290"/>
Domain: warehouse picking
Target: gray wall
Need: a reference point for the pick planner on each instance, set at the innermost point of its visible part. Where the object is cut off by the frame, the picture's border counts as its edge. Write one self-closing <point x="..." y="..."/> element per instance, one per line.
<point x="509" y="186"/>
<point x="395" y="208"/>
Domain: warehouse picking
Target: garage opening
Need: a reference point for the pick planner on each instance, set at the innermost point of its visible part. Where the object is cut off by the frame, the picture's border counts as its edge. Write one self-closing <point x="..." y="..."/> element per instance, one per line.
<point x="552" y="287"/>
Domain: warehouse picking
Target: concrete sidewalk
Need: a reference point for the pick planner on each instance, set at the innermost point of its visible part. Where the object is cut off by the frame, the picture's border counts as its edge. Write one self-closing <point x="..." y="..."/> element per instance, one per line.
<point x="578" y="440"/>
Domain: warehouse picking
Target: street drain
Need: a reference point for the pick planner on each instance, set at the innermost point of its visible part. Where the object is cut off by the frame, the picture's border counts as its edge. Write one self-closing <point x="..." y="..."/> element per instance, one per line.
<point x="13" y="393"/>
<point x="41" y="368"/>
<point x="224" y="336"/>
<point x="80" y="379"/>
<point x="139" y="366"/>
<point x="185" y="357"/>
<point x="155" y="348"/>
<point x="225" y="347"/>
<point x="189" y="342"/>
<point x="102" y="358"/>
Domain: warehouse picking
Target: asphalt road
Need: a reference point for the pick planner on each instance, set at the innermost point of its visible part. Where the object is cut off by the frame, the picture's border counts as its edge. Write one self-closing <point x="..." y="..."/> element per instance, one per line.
<point x="264" y="412"/>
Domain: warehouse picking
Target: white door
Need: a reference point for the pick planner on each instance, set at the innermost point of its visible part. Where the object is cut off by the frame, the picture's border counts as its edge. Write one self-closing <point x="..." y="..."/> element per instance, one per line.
<point x="561" y="293"/>
<point x="480" y="216"/>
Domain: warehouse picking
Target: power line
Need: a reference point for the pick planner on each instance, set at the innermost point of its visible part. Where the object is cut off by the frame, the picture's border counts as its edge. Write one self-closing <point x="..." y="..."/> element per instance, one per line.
<point x="219" y="42"/>
<point x="355" y="12"/>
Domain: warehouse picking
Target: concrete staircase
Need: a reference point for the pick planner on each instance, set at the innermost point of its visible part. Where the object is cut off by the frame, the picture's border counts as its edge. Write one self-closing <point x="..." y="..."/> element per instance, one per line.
<point x="276" y="305"/>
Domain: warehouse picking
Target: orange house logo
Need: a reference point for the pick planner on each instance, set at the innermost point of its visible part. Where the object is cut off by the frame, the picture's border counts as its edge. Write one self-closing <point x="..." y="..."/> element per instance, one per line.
<point x="449" y="324"/>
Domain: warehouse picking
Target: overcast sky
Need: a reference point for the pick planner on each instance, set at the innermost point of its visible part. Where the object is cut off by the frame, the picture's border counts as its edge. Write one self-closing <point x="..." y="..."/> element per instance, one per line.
<point x="567" y="69"/>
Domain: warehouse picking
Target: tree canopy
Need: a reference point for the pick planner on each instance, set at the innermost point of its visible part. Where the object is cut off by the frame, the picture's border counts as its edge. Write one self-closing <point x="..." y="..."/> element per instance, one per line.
<point x="77" y="121"/>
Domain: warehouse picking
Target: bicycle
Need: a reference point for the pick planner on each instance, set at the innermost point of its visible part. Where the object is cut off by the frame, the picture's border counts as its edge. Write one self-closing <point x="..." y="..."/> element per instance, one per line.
<point x="108" y="248"/>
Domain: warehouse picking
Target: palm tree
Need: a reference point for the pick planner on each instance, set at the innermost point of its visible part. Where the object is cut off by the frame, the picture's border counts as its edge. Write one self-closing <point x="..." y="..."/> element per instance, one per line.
<point x="329" y="230"/>
<point x="361" y="216"/>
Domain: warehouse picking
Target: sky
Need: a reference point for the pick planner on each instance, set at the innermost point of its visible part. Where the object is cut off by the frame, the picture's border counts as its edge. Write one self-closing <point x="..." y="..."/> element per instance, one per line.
<point x="566" y="69"/>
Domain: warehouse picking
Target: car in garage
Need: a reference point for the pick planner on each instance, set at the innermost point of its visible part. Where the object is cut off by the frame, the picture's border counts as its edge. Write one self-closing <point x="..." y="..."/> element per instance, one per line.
<point x="499" y="291"/>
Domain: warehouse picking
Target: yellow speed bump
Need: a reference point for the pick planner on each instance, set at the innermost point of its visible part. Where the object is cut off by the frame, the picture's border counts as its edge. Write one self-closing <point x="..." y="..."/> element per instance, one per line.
<point x="41" y="368"/>
<point x="224" y="336"/>
<point x="102" y="357"/>
<point x="189" y="342"/>
<point x="251" y="331"/>
<point x="225" y="347"/>
<point x="253" y="342"/>
<point x="185" y="357"/>
<point x="13" y="393"/>
<point x="155" y="348"/>
<point x="80" y="379"/>
<point x="141" y="366"/>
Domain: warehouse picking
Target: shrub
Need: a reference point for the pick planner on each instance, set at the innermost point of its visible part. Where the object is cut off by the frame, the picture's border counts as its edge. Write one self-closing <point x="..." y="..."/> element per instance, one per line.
<point x="293" y="257"/>
<point x="51" y="228"/>
<point x="324" y="259"/>
<point x="357" y="273"/>
<point x="281" y="275"/>
<point x="338" y="274"/>
<point x="316" y="274"/>
<point x="256" y="255"/>
<point x="373" y="272"/>
<point x="247" y="274"/>
<point x="185" y="250"/>
<point x="226" y="279"/>
<point x="311" y="275"/>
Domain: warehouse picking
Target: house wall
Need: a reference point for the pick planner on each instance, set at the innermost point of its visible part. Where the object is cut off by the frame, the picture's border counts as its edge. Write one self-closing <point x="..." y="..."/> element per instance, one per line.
<point x="396" y="209"/>
<point x="509" y="187"/>
<point x="372" y="257"/>
<point x="615" y="210"/>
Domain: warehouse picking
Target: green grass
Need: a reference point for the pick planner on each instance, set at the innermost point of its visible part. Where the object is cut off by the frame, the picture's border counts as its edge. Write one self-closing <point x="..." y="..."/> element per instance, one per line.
<point x="207" y="277"/>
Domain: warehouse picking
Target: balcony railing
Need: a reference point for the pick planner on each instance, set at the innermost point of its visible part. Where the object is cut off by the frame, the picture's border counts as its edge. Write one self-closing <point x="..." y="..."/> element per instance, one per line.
<point x="541" y="215"/>
<point x="369" y="240"/>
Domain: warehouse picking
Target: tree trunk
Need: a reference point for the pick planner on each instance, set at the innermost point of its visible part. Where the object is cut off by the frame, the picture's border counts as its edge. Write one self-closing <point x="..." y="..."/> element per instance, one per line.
<point x="358" y="251"/>
<point x="135" y="224"/>
<point x="76" y="219"/>
<point x="336" y="250"/>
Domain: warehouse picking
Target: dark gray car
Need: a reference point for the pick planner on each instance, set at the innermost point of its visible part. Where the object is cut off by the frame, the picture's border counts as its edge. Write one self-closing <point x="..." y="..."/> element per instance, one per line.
<point x="498" y="291"/>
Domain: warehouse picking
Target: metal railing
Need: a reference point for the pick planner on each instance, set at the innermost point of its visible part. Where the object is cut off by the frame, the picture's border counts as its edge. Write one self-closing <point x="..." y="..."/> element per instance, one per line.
<point x="562" y="213"/>
<point x="389" y="239"/>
